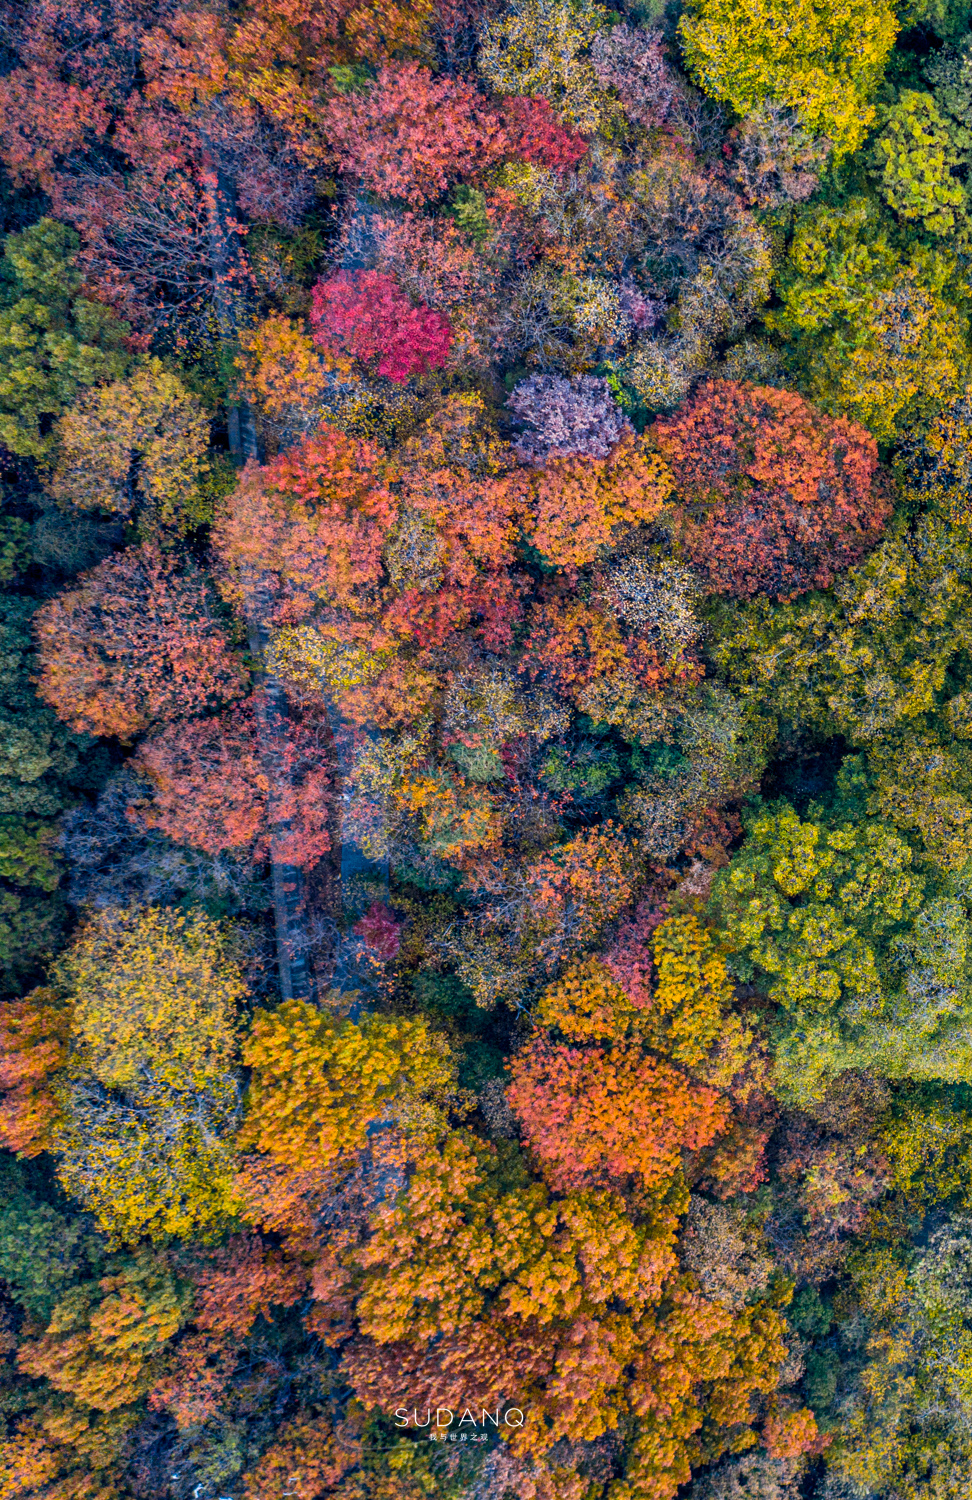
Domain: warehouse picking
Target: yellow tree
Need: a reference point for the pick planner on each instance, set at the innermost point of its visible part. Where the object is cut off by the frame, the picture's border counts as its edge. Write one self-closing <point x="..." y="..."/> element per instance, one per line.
<point x="149" y="1093"/>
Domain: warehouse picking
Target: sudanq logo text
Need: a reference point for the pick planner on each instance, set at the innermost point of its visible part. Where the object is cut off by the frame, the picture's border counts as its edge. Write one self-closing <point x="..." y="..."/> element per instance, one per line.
<point x="510" y="1416"/>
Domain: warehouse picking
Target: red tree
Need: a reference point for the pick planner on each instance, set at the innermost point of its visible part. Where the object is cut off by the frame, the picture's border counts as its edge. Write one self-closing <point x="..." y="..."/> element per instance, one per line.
<point x="536" y="134"/>
<point x="776" y="497"/>
<point x="450" y="557"/>
<point x="136" y="641"/>
<point x="364" y="314"/>
<point x="411" y="134"/>
<point x="210" y="789"/>
<point x="317" y="517"/>
<point x="602" y="1113"/>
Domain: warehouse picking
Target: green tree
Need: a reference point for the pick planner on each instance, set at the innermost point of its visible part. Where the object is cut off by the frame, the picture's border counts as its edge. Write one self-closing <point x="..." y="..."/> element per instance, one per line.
<point x="872" y="655"/>
<point x="53" y="341"/>
<point x="914" y="162"/>
<point x="869" y="962"/>
<point x="872" y="332"/>
<point x="906" y="1427"/>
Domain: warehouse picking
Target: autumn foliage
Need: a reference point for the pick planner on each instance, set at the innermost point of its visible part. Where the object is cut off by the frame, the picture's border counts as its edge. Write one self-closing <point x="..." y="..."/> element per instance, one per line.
<point x="341" y="1078"/>
<point x="423" y="594"/>
<point x="316" y="517"/>
<point x="212" y="789"/>
<point x="137" y="642"/>
<point x="410" y="135"/>
<point x="774" y="496"/>
<point x="364" y="314"/>
<point x="33" y="1037"/>
<point x="578" y="505"/>
<point x="570" y="1105"/>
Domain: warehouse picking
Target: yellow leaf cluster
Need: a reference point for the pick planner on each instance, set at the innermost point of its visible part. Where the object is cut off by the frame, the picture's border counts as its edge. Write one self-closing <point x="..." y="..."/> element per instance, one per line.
<point x="149" y="1094"/>
<point x="694" y="994"/>
<point x="143" y="439"/>
<point x="585" y="1004"/>
<point x="318" y="1083"/>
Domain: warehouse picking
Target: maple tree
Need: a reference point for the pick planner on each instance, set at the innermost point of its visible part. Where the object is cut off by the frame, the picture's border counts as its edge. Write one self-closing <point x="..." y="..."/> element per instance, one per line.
<point x="577" y="506"/>
<point x="365" y="314"/>
<point x="35" y="1031"/>
<point x="409" y="135"/>
<point x="138" y="641"/>
<point x="774" y="496"/>
<point x="316" y="517"/>
<point x="608" y="1113"/>
<point x="211" y="788"/>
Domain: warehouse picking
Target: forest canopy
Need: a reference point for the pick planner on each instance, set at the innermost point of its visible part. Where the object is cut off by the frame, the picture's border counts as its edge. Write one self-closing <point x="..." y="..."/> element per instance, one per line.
<point x="485" y="806"/>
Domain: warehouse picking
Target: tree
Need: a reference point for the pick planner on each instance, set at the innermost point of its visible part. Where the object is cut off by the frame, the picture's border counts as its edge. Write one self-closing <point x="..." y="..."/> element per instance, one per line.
<point x="537" y="134"/>
<point x="142" y="440"/>
<point x="410" y="135"/>
<point x="538" y="48"/>
<point x="135" y="643"/>
<point x="631" y="60"/>
<point x="148" y="1095"/>
<point x="907" y="1416"/>
<point x="54" y="342"/>
<point x="774" y="496"/>
<point x="105" y="1336"/>
<point x="571" y="892"/>
<point x="34" y="1032"/>
<point x="914" y="160"/>
<point x="364" y="314"/>
<point x="844" y="934"/>
<point x="607" y="1114"/>
<point x="824" y="60"/>
<point x="585" y="1004"/>
<point x="868" y="659"/>
<point x="876" y="335"/>
<point x="320" y="1085"/>
<point x="449" y="557"/>
<point x="567" y="416"/>
<point x="316" y="517"/>
<point x="211" y="789"/>
<point x="578" y="506"/>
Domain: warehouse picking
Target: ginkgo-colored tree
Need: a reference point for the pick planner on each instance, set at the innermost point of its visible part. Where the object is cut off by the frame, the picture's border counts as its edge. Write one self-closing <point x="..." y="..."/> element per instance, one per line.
<point x="823" y="60"/>
<point x="318" y="1083"/>
<point x="141" y="441"/>
<point x="148" y="1093"/>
